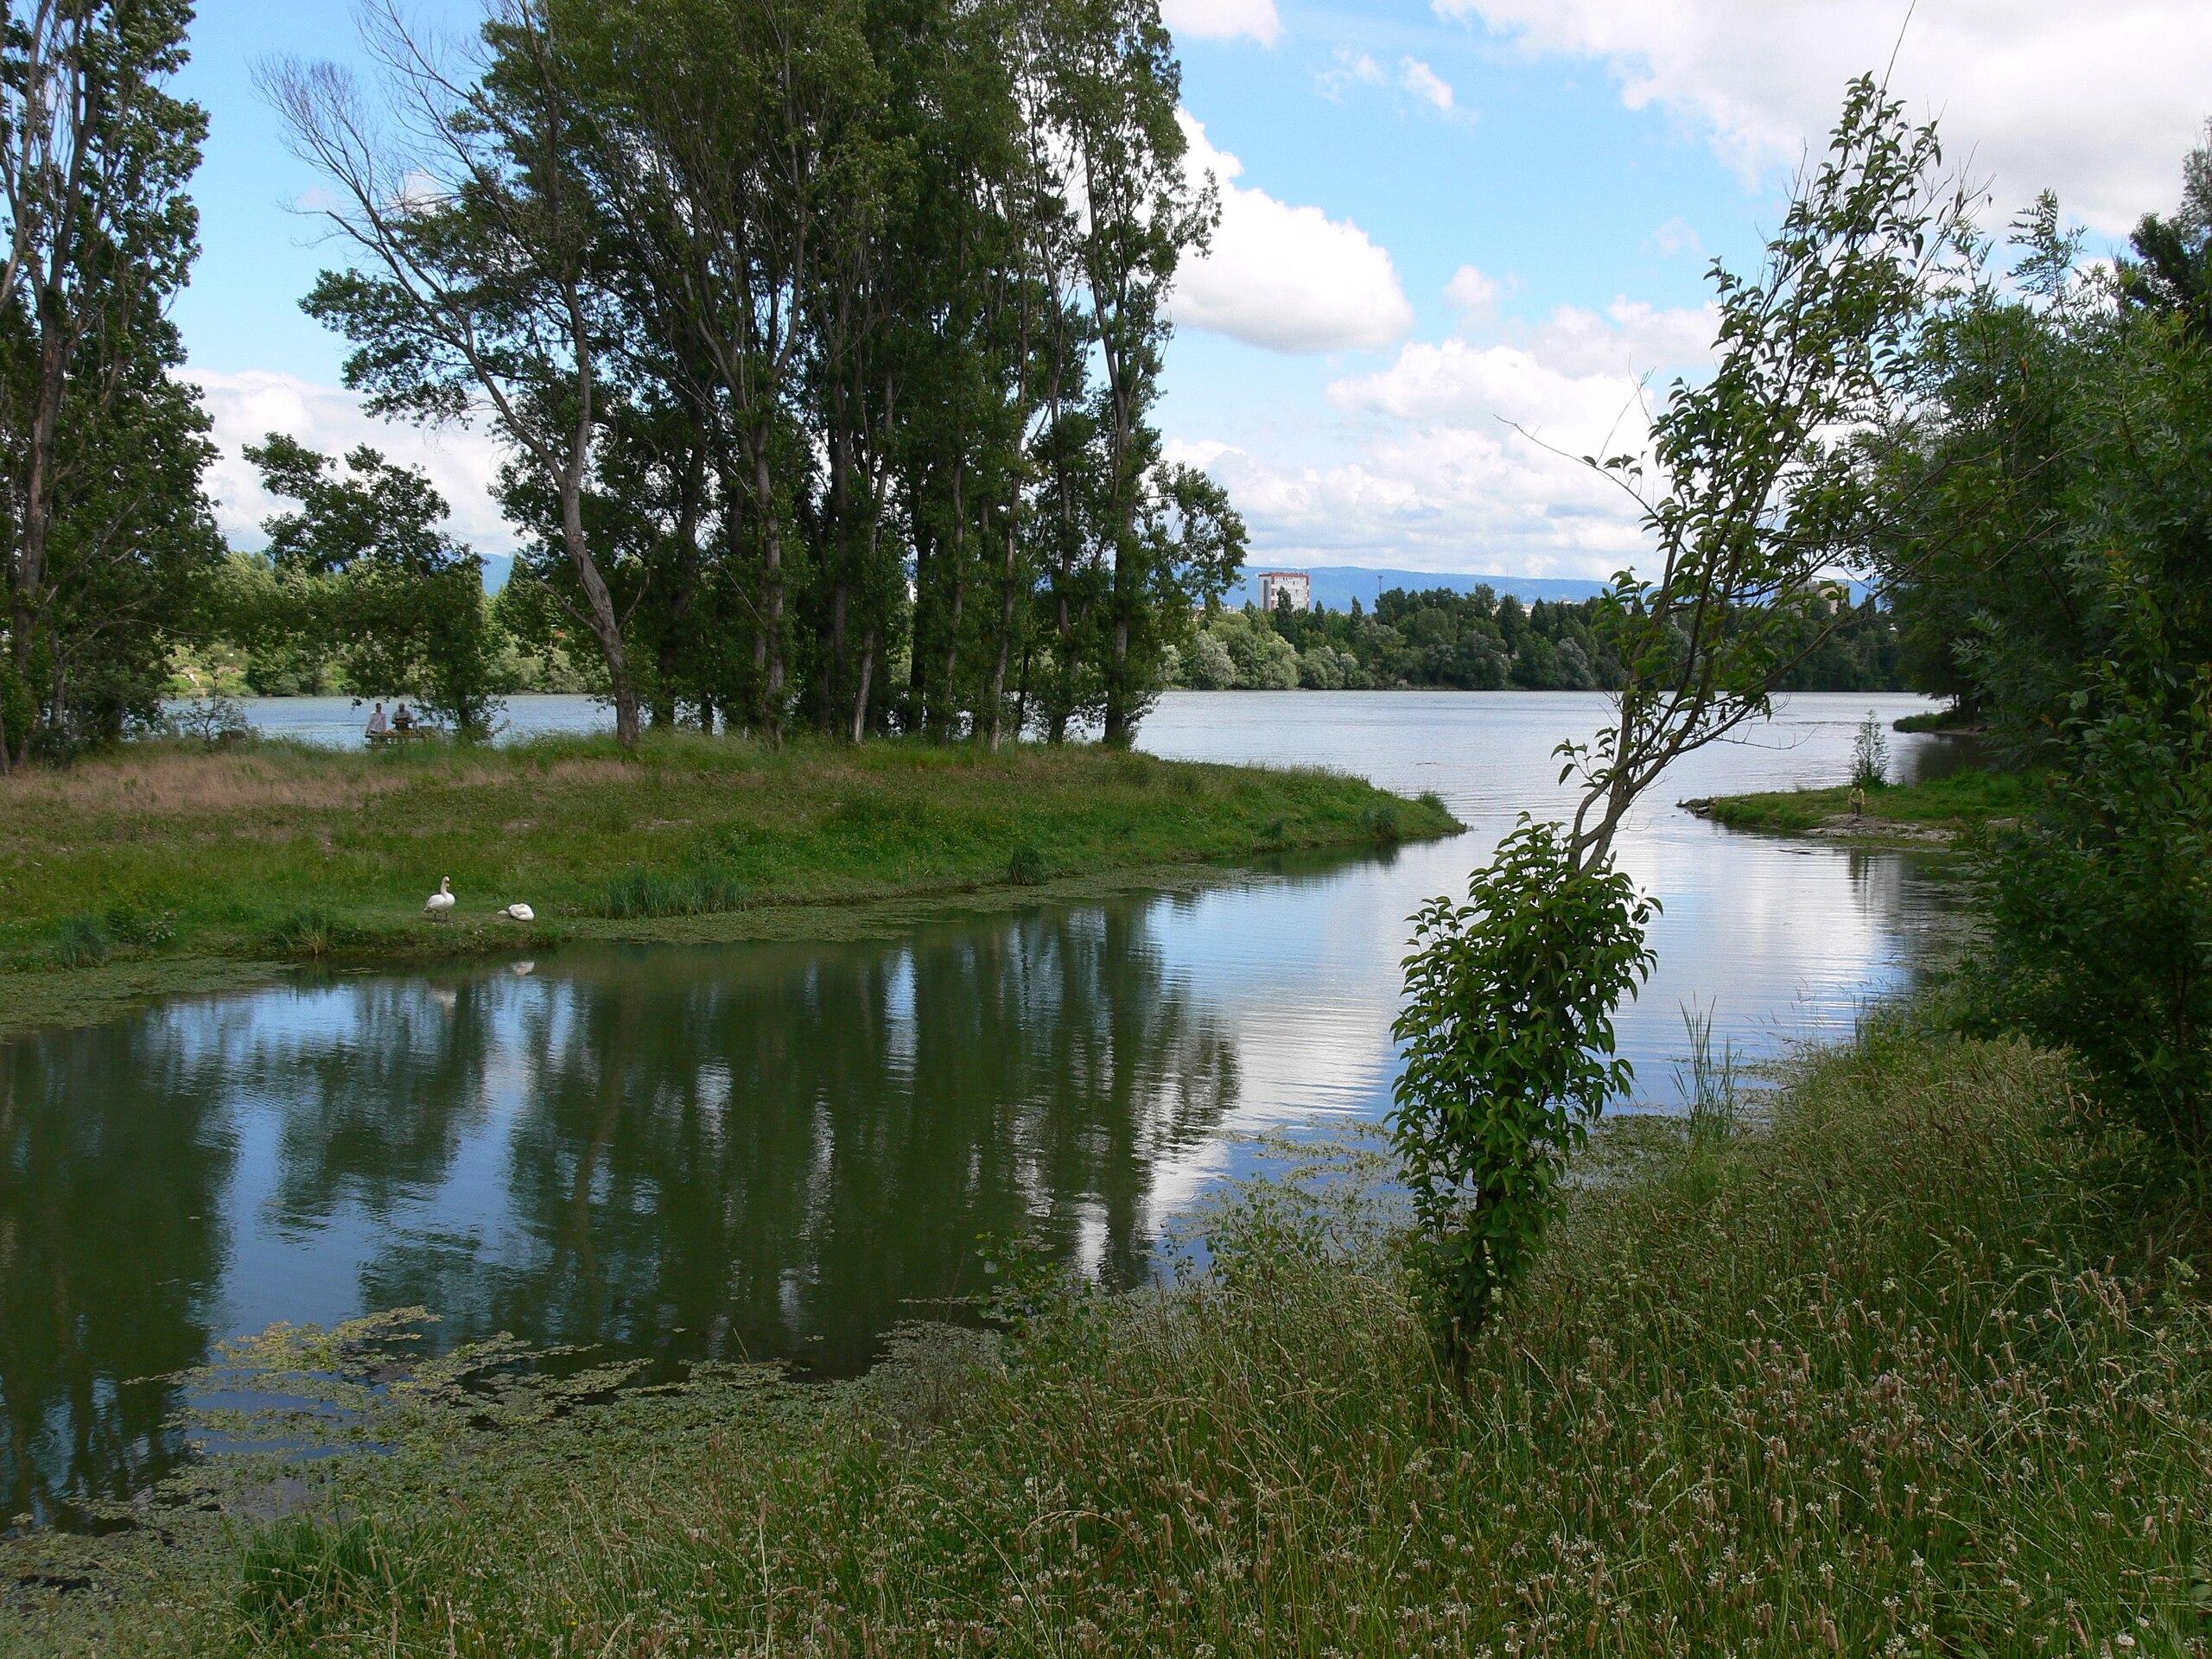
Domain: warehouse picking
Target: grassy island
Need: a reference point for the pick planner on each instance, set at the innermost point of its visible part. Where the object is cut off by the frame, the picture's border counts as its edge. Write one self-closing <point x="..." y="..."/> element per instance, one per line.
<point x="163" y="867"/>
<point x="1935" y="812"/>
<point x="1892" y="1361"/>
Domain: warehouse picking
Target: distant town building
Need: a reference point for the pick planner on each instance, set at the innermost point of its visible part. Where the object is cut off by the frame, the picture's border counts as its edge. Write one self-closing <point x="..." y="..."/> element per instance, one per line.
<point x="1829" y="594"/>
<point x="1293" y="585"/>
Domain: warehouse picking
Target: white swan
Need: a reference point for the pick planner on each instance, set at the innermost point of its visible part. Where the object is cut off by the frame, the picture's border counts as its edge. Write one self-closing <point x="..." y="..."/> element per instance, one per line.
<point x="439" y="903"/>
<point x="519" y="913"/>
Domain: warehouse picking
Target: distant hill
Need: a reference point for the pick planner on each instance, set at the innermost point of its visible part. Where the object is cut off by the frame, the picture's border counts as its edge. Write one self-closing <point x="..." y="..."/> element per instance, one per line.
<point x="1335" y="586"/>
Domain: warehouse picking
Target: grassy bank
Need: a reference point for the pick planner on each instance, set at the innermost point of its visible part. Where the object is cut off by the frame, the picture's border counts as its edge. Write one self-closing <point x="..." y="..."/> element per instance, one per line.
<point x="131" y="872"/>
<point x="1892" y="1375"/>
<point x="1936" y="810"/>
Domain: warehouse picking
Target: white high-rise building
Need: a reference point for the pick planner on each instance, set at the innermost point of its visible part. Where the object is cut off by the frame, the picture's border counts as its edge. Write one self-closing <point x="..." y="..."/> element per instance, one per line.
<point x="1295" y="585"/>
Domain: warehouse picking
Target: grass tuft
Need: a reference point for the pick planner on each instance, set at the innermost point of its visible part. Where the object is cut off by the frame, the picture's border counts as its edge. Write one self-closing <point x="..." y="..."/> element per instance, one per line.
<point x="82" y="943"/>
<point x="638" y="894"/>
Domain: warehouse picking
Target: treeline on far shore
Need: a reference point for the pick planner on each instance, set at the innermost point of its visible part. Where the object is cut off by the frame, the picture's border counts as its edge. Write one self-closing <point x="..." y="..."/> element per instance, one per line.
<point x="1434" y="639"/>
<point x="1439" y="639"/>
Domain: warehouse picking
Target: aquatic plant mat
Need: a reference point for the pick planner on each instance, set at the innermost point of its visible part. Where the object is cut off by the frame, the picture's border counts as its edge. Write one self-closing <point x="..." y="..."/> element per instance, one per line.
<point x="1898" y="1372"/>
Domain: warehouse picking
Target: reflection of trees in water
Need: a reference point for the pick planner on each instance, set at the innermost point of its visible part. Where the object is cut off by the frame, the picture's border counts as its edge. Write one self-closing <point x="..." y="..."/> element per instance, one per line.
<point x="773" y="1150"/>
<point x="116" y="1151"/>
<point x="762" y="1150"/>
<point x="375" y="1107"/>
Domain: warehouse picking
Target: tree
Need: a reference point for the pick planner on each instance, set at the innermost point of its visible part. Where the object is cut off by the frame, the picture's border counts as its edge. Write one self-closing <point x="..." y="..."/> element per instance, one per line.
<point x="1510" y="996"/>
<point x="477" y="289"/>
<point x="103" y="525"/>
<point x="402" y="607"/>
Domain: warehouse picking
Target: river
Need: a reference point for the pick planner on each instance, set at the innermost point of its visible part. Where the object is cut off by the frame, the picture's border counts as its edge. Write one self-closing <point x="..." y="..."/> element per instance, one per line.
<point x="778" y="1150"/>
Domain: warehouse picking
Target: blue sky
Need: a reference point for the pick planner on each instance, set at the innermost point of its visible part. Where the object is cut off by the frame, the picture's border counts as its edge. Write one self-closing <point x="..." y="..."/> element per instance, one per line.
<point x="1437" y="218"/>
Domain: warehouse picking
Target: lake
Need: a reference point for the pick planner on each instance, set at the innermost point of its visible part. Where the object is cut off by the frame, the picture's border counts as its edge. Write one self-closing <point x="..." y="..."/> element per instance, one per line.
<point x="779" y="1150"/>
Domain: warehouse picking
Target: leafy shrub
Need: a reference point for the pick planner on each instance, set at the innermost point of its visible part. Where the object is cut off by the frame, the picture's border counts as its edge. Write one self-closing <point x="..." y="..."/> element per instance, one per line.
<point x="2100" y="907"/>
<point x="148" y="929"/>
<point x="639" y="892"/>
<point x="1507" y="1030"/>
<point x="84" y="942"/>
<point x="1870" y="754"/>
<point x="1026" y="868"/>
<point x="212" y="721"/>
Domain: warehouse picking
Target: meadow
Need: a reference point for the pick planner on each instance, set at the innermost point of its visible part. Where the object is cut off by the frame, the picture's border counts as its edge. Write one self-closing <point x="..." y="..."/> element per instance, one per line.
<point x="131" y="872"/>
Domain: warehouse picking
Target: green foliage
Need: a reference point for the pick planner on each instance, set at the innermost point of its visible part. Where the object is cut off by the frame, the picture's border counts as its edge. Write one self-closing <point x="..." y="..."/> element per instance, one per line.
<point x="309" y="931"/>
<point x="2099" y="906"/>
<point x="367" y="580"/>
<point x="301" y="1576"/>
<point x="107" y="541"/>
<point x="84" y="942"/>
<point x="1508" y="1031"/>
<point x="1026" y="867"/>
<point x="643" y="893"/>
<point x="1870" y="754"/>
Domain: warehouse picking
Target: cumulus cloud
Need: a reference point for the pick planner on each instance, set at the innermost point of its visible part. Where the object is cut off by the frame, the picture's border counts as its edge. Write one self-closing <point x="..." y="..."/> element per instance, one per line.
<point x="1424" y="83"/>
<point x="1473" y="294"/>
<point x="1222" y="20"/>
<point x="247" y="407"/>
<point x="2098" y="102"/>
<point x="1290" y="279"/>
<point x="1463" y="450"/>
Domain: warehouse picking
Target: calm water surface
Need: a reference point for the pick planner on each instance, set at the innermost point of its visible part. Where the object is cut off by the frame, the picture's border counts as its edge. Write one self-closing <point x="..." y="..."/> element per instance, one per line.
<point x="779" y="1150"/>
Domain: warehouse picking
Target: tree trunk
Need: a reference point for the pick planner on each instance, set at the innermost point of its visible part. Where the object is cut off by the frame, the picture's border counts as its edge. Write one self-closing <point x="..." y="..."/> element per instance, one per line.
<point x="867" y="674"/>
<point x="770" y="652"/>
<point x="606" y="627"/>
<point x="1006" y="631"/>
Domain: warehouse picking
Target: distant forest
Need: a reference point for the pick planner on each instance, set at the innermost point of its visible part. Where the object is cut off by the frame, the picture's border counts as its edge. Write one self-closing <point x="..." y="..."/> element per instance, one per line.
<point x="1438" y="638"/>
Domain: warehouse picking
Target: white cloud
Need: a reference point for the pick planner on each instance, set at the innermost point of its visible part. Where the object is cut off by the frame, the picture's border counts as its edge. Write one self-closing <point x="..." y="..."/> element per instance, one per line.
<point x="1464" y="450"/>
<point x="1291" y="279"/>
<point x="1679" y="236"/>
<point x="1222" y="20"/>
<point x="247" y="407"/>
<point x="1352" y="68"/>
<point x="2098" y="102"/>
<point x="1425" y="83"/>
<point x="1473" y="294"/>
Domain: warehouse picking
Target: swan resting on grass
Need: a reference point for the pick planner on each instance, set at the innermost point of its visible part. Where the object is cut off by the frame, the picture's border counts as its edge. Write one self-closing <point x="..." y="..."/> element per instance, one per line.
<point x="440" y="903"/>
<point x="519" y="913"/>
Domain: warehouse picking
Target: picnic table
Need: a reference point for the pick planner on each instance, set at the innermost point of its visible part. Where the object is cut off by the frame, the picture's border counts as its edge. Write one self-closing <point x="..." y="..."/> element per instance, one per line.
<point x="395" y="734"/>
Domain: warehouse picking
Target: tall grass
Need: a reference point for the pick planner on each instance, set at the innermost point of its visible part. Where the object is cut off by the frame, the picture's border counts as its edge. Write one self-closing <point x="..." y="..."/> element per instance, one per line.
<point x="643" y="893"/>
<point x="1889" y="1376"/>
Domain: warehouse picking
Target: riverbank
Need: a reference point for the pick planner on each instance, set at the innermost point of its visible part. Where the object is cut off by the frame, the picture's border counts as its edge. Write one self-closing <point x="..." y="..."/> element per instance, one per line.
<point x="168" y="867"/>
<point x="1892" y="1366"/>
<point x="1936" y="812"/>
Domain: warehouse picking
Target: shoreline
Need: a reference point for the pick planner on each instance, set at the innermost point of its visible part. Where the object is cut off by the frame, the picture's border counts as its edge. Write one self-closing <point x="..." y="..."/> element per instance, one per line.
<point x="1933" y="815"/>
<point x="166" y="869"/>
<point x="1800" y="1332"/>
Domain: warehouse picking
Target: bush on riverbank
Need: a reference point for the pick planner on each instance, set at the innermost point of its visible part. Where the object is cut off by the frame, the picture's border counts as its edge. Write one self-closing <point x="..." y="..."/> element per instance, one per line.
<point x="229" y="846"/>
<point x="1897" y="1375"/>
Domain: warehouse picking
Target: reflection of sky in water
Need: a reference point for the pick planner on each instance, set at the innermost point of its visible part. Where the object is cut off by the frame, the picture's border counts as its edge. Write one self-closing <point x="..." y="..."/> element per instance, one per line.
<point x="776" y="1148"/>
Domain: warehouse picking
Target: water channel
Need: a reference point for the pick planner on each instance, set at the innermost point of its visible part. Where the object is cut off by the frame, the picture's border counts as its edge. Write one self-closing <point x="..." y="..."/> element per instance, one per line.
<point x="779" y="1150"/>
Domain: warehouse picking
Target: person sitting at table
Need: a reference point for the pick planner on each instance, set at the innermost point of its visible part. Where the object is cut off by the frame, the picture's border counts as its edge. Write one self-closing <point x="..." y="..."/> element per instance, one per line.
<point x="378" y="727"/>
<point x="400" y="720"/>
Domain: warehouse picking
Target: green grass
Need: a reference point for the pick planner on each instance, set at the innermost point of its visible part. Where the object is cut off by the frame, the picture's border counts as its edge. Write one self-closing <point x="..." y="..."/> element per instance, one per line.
<point x="1899" y="1373"/>
<point x="1964" y="801"/>
<point x="162" y="853"/>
